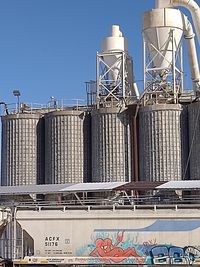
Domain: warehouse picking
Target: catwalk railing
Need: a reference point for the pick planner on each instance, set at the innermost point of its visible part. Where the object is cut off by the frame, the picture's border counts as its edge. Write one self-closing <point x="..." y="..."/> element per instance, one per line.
<point x="117" y="202"/>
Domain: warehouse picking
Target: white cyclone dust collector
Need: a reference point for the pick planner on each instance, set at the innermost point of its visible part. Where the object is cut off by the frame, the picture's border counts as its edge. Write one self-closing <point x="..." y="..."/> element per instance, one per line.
<point x="163" y="29"/>
<point x="115" y="82"/>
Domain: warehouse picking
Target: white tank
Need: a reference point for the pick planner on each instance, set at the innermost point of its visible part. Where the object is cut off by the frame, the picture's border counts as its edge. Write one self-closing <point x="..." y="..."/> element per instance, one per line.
<point x="116" y="42"/>
<point x="158" y="25"/>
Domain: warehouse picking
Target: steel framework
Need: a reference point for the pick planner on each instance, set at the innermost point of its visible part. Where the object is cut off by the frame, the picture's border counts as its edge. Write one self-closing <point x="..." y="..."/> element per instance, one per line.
<point x="114" y="92"/>
<point x="163" y="84"/>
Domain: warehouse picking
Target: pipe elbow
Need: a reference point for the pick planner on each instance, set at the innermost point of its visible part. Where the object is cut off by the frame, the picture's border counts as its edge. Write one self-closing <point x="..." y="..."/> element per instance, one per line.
<point x="191" y="36"/>
<point x="188" y="29"/>
<point x="194" y="9"/>
<point x="189" y="4"/>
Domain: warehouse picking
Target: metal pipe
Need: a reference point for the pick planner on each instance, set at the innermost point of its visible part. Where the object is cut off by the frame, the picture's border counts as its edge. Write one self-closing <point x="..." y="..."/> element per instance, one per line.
<point x="135" y="145"/>
<point x="174" y="67"/>
<point x="194" y="9"/>
<point x="191" y="5"/>
<point x="181" y="68"/>
<point x="135" y="90"/>
<point x="5" y="107"/>
<point x="192" y="53"/>
<point x="144" y="65"/>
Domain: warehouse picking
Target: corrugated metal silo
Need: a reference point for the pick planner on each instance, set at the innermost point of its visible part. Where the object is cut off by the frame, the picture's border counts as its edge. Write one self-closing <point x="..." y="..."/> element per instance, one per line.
<point x="22" y="149"/>
<point x="111" y="145"/>
<point x="67" y="152"/>
<point x="163" y="142"/>
<point x="194" y="137"/>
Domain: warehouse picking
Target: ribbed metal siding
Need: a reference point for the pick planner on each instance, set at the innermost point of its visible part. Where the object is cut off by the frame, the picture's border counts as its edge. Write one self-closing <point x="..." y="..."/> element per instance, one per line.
<point x="22" y="150"/>
<point x="67" y="138"/>
<point x="163" y="142"/>
<point x="194" y="140"/>
<point x="6" y="242"/>
<point x="111" y="146"/>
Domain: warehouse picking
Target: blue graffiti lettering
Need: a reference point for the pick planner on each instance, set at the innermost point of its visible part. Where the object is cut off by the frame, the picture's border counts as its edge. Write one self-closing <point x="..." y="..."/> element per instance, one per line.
<point x="163" y="254"/>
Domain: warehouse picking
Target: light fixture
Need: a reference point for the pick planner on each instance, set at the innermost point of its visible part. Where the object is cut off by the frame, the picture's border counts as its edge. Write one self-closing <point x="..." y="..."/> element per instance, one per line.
<point x="17" y="94"/>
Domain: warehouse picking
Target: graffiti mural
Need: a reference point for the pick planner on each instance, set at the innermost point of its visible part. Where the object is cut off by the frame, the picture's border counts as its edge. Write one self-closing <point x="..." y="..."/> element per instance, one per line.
<point x="108" y="252"/>
<point x="116" y="249"/>
<point x="124" y="246"/>
<point x="147" y="253"/>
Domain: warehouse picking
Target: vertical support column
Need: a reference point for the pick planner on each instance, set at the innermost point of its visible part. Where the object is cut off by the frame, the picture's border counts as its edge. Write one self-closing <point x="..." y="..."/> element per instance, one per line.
<point x="22" y="247"/>
<point x="174" y="68"/>
<point x="181" y="68"/>
<point x="123" y="76"/>
<point x="97" y="78"/>
<point x="144" y="96"/>
<point x="144" y="64"/>
<point x="135" y="144"/>
<point x="13" y="232"/>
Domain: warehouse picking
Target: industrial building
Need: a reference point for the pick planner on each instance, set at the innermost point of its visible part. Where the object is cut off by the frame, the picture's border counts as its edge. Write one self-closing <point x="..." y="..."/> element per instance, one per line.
<point x="117" y="180"/>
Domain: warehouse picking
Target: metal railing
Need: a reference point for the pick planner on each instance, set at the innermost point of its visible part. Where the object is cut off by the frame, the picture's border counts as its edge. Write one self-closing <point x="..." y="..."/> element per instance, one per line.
<point x="51" y="105"/>
<point x="118" y="202"/>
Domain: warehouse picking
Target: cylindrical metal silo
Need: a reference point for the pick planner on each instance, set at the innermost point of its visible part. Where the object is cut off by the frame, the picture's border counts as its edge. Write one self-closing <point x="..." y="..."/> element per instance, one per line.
<point x="194" y="137"/>
<point x="67" y="140"/>
<point x="163" y="142"/>
<point x="22" y="149"/>
<point x="111" y="145"/>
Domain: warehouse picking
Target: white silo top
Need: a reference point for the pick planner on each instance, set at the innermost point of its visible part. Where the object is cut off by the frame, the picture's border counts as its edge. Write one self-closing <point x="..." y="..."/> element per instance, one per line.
<point x="116" y="42"/>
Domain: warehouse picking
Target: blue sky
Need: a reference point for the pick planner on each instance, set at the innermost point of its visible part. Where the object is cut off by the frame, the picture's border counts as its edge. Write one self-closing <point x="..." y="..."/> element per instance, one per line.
<point x="48" y="47"/>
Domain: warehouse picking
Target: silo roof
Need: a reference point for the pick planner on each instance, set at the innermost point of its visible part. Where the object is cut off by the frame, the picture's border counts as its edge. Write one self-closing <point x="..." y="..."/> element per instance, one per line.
<point x="59" y="188"/>
<point x="98" y="187"/>
<point x="32" y="189"/>
<point x="93" y="187"/>
<point x="180" y="185"/>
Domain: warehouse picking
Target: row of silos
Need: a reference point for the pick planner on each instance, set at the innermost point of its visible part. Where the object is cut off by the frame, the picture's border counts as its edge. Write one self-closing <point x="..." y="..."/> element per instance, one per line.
<point x="45" y="149"/>
<point x="70" y="146"/>
<point x="73" y="146"/>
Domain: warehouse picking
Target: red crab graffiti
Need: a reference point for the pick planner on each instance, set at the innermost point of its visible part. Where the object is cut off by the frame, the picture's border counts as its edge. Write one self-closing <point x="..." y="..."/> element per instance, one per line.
<point x="106" y="251"/>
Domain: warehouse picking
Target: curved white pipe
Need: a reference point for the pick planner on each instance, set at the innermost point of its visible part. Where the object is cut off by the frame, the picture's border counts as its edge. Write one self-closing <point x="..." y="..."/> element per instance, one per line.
<point x="192" y="53"/>
<point x="191" y="5"/>
<point x="194" y="9"/>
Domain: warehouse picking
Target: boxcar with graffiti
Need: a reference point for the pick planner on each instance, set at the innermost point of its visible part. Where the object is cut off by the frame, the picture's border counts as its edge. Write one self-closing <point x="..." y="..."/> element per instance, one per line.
<point x="164" y="236"/>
